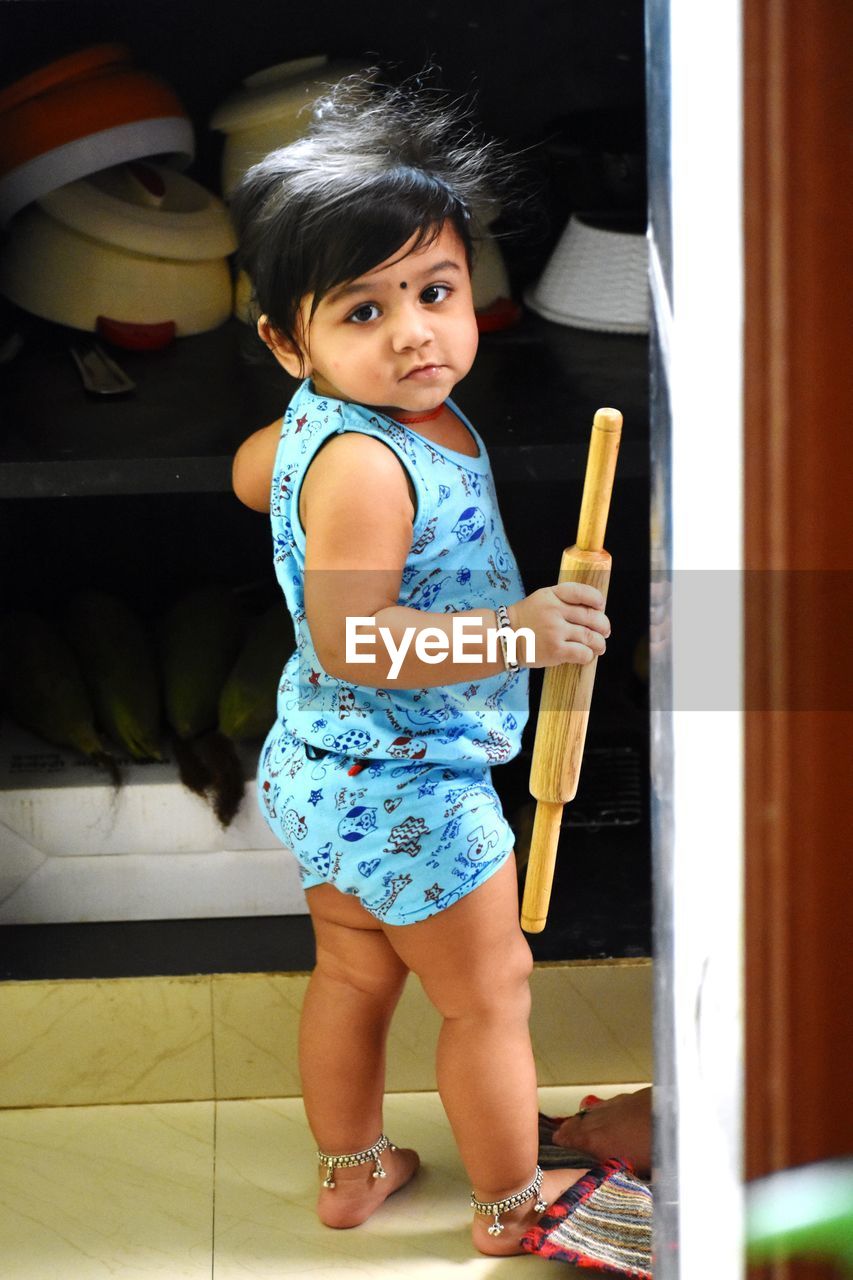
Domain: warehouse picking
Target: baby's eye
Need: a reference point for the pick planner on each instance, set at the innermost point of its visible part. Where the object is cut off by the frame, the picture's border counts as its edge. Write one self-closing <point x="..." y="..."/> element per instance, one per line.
<point x="363" y="314"/>
<point x="435" y="293"/>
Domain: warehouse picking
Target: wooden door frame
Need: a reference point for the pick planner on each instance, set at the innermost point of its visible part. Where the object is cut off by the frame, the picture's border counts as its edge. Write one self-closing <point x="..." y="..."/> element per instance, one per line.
<point x="798" y="536"/>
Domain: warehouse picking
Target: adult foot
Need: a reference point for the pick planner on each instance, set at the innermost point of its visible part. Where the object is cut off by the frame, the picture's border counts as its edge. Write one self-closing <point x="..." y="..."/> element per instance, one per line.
<point x="508" y="1243"/>
<point x="357" y="1194"/>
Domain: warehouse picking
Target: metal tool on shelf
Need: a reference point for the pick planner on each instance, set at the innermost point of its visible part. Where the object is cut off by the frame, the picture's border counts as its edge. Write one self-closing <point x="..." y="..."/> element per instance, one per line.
<point x="100" y="373"/>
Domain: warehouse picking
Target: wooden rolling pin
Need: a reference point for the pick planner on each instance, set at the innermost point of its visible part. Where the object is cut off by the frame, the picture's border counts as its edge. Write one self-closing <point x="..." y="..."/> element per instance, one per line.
<point x="567" y="689"/>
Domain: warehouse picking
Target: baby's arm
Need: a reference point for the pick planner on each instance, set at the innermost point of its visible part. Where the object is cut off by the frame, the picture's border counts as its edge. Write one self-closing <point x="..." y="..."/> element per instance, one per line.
<point x="251" y="472"/>
<point x="358" y="518"/>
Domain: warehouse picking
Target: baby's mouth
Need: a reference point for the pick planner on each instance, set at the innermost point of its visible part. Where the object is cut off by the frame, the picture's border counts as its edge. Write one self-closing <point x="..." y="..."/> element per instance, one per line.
<point x="423" y="373"/>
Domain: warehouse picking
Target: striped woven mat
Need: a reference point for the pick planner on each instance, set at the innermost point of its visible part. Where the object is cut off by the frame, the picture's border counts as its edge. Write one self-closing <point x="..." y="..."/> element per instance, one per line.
<point x="553" y="1157"/>
<point x="604" y="1221"/>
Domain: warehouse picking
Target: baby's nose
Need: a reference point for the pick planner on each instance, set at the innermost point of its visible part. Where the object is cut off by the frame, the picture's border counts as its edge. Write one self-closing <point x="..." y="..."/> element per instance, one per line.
<point x="411" y="329"/>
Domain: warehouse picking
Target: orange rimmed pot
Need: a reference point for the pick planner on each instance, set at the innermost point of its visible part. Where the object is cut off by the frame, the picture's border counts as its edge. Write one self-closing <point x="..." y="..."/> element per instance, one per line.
<point x="87" y="111"/>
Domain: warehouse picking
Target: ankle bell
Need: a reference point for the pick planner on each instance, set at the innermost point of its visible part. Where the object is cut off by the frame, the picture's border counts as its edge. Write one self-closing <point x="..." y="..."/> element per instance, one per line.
<point x="497" y="1207"/>
<point x="356" y="1158"/>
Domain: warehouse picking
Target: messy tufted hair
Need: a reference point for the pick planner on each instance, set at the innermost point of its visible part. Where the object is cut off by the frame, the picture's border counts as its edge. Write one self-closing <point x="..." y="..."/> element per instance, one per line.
<point x="377" y="165"/>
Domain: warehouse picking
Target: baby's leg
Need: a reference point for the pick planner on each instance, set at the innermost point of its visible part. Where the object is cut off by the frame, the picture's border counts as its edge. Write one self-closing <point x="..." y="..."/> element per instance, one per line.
<point x="474" y="963"/>
<point x="351" y="996"/>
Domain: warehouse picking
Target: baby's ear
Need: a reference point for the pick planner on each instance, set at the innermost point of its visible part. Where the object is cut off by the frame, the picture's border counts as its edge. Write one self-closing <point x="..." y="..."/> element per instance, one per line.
<point x="286" y="352"/>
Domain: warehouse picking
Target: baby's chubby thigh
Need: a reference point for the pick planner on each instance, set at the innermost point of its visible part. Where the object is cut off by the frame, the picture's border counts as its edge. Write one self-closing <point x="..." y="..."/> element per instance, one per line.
<point x="472" y="959"/>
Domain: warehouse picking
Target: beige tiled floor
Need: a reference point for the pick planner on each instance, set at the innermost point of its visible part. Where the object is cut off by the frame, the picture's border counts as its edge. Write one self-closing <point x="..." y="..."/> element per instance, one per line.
<point x="89" y="1041"/>
<point x="226" y="1190"/>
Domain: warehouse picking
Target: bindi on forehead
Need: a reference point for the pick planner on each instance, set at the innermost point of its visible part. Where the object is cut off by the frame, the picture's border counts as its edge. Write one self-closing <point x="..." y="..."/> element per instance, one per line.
<point x="404" y="284"/>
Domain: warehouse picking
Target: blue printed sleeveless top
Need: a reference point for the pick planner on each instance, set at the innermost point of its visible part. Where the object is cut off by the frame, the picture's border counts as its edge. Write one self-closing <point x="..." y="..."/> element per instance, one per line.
<point x="459" y="559"/>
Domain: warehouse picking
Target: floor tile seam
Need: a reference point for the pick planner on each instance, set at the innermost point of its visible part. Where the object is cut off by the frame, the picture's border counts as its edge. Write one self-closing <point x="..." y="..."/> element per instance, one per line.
<point x="213" y="1194"/>
<point x="277" y="1097"/>
<point x="116" y="1102"/>
<point x="594" y="1012"/>
<point x="212" y="1008"/>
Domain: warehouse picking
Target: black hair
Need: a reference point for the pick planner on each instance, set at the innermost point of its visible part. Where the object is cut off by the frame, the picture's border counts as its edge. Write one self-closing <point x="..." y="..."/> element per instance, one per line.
<point x="377" y="165"/>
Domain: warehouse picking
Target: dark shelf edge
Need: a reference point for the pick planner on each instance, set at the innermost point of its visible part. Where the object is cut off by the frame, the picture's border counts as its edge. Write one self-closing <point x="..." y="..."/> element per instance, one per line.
<point x="184" y="948"/>
<point x="112" y="478"/>
<point x="129" y="477"/>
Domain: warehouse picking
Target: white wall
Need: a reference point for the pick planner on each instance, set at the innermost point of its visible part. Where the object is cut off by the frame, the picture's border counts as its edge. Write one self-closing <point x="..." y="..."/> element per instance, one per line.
<point x="700" y="335"/>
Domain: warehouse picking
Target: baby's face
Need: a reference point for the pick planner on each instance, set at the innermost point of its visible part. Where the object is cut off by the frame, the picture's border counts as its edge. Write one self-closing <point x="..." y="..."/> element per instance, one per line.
<point x="402" y="335"/>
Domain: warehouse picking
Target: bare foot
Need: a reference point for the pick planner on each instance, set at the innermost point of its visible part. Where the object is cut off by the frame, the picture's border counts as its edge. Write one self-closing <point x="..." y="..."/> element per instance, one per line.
<point x="357" y="1194"/>
<point x="508" y="1243"/>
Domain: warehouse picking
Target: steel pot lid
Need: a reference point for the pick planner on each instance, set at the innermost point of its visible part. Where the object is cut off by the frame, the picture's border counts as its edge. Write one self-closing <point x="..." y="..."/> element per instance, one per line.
<point x="148" y="209"/>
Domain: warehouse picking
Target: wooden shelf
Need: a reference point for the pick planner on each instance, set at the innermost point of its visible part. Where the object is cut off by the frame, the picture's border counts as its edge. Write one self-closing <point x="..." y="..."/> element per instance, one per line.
<point x="532" y="394"/>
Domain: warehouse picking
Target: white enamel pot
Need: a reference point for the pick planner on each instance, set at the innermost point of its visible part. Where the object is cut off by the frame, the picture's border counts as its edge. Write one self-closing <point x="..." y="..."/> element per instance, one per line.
<point x="271" y="110"/>
<point x="133" y="248"/>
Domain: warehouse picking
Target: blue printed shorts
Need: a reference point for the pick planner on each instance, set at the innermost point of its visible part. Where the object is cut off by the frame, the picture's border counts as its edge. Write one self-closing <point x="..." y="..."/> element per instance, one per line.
<point x="407" y="838"/>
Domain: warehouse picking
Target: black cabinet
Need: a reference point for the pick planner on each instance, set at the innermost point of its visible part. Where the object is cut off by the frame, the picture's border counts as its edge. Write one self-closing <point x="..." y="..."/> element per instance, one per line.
<point x="137" y="489"/>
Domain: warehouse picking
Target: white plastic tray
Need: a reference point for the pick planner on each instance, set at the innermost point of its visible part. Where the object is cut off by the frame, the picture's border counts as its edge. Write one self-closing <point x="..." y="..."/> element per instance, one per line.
<point x="72" y="848"/>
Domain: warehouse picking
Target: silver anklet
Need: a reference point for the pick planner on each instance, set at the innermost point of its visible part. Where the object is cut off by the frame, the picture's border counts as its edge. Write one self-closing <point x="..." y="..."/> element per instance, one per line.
<point x="358" y="1157"/>
<point x="497" y="1207"/>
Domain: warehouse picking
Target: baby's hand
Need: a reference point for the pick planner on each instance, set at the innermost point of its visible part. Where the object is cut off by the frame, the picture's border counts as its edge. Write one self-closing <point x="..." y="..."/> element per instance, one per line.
<point x="567" y="622"/>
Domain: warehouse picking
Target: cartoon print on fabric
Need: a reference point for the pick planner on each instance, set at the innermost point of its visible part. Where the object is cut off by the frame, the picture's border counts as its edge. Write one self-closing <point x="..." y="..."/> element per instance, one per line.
<point x="406" y="836"/>
<point x="269" y="801"/>
<point x="428" y="536"/>
<point x="495" y="744"/>
<point x="419" y="824"/>
<point x="321" y="860"/>
<point x="471" y="525"/>
<point x="406" y="748"/>
<point x="347" y="797"/>
<point x="293" y="826"/>
<point x="499" y="569"/>
<point x="347" y="744"/>
<point x="480" y="842"/>
<point x="425" y="596"/>
<point x="357" y="823"/>
<point x="394" y="887"/>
